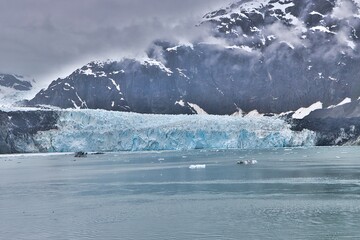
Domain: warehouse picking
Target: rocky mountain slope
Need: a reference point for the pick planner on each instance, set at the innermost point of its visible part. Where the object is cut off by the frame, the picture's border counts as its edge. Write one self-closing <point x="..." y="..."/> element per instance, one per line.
<point x="13" y="88"/>
<point x="17" y="129"/>
<point x="272" y="56"/>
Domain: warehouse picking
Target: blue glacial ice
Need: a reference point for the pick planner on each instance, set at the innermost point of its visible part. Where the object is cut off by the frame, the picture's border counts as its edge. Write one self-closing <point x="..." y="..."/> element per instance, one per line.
<point x="98" y="130"/>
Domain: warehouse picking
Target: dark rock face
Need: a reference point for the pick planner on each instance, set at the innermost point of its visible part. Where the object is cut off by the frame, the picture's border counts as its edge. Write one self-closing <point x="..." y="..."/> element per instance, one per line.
<point x="331" y="131"/>
<point x="335" y="126"/>
<point x="119" y="86"/>
<point x="349" y="110"/>
<point x="14" y="81"/>
<point x="19" y="127"/>
<point x="278" y="56"/>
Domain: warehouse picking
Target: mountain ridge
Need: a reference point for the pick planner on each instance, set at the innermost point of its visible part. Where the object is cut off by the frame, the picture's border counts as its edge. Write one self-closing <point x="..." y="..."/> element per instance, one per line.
<point x="276" y="56"/>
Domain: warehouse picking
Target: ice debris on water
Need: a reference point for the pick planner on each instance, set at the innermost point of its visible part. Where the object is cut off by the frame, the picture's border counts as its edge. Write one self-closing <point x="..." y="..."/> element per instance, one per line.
<point x="197" y="166"/>
<point x="246" y="162"/>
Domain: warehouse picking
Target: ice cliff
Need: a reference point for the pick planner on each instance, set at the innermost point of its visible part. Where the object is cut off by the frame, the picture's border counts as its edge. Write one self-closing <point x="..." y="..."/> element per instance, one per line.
<point x="100" y="130"/>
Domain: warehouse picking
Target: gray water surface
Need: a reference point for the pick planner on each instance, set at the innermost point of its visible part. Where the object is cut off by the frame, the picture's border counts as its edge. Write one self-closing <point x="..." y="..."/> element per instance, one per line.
<point x="289" y="194"/>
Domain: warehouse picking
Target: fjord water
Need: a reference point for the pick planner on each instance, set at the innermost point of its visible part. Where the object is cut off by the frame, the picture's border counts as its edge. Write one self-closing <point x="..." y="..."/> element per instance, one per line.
<point x="289" y="194"/>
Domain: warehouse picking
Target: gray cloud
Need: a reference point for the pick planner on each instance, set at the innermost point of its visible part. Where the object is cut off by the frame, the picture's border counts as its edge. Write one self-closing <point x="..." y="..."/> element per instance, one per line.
<point x="46" y="39"/>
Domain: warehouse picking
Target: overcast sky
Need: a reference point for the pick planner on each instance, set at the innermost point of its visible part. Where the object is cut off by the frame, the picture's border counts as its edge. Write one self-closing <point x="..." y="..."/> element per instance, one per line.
<point x="50" y="38"/>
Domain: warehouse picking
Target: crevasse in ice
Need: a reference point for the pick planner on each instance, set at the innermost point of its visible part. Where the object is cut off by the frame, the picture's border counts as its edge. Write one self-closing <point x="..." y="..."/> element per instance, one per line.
<point x="98" y="130"/>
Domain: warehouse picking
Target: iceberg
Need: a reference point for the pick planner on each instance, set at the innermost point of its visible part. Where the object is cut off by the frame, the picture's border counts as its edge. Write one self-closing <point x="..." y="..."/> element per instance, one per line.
<point x="101" y="130"/>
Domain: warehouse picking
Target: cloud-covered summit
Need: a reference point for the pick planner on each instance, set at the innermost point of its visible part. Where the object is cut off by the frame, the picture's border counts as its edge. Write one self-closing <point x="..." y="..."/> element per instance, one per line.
<point x="41" y="37"/>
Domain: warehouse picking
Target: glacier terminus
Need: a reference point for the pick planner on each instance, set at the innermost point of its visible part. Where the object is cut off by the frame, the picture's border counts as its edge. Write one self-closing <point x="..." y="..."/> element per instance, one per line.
<point x="100" y="130"/>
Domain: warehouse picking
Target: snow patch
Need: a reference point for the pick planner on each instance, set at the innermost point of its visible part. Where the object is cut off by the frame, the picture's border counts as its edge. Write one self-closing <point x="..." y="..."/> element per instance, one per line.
<point x="303" y="112"/>
<point x="87" y="72"/>
<point x="198" y="109"/>
<point x="242" y="47"/>
<point x="351" y="44"/>
<point x="181" y="72"/>
<point x="238" y="113"/>
<point x="117" y="86"/>
<point x="254" y="113"/>
<point x="321" y="29"/>
<point x="316" y="13"/>
<point x="173" y="48"/>
<point x="83" y="103"/>
<point x="154" y="62"/>
<point x="345" y="101"/>
<point x="181" y="103"/>
<point x="101" y="74"/>
<point x="289" y="44"/>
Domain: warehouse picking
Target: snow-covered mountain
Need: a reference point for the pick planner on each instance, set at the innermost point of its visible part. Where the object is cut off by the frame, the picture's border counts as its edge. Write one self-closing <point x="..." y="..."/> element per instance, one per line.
<point x="140" y="86"/>
<point x="13" y="88"/>
<point x="295" y="58"/>
<point x="272" y="56"/>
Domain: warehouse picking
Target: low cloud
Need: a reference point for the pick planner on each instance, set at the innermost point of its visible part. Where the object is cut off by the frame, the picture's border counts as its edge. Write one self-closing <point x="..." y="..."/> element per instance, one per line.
<point x="46" y="39"/>
<point x="344" y="9"/>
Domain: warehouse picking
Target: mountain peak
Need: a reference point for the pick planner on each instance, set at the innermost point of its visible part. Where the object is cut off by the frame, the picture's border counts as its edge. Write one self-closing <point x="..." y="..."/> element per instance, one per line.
<point x="245" y="19"/>
<point x="272" y="56"/>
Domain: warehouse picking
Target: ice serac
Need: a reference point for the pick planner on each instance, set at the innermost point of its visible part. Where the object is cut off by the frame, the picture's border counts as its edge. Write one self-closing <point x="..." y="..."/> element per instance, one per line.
<point x="90" y="130"/>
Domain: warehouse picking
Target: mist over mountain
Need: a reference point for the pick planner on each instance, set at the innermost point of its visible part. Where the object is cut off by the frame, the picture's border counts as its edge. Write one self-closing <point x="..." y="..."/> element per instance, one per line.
<point x="14" y="88"/>
<point x="292" y="61"/>
<point x="272" y="56"/>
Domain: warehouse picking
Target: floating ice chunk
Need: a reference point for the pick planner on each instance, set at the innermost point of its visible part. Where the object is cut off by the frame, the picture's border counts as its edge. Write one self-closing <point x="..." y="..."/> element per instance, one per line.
<point x="247" y="162"/>
<point x="198" y="166"/>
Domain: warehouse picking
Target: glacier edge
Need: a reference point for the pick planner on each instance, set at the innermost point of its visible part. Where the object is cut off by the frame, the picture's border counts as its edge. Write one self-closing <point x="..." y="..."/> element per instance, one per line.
<point x="100" y="130"/>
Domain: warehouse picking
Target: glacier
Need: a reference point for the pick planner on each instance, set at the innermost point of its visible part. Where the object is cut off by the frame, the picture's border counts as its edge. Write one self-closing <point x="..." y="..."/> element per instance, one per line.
<point x="101" y="130"/>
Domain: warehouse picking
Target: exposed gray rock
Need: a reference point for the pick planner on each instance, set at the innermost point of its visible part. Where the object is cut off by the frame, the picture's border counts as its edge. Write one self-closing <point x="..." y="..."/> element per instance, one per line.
<point x="279" y="56"/>
<point x="17" y="129"/>
<point x="334" y="126"/>
<point x="14" y="81"/>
